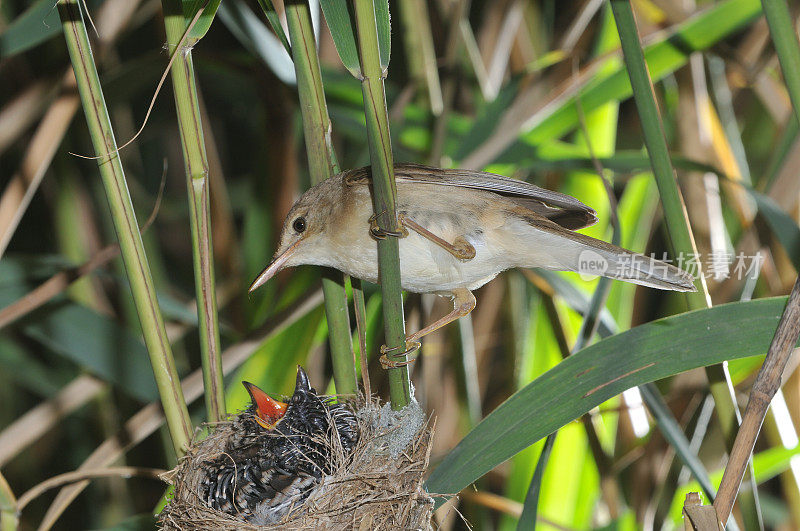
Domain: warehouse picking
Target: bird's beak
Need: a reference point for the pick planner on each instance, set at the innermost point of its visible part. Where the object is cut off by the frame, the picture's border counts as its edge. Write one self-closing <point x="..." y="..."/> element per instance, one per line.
<point x="268" y="410"/>
<point x="274" y="266"/>
<point x="302" y="381"/>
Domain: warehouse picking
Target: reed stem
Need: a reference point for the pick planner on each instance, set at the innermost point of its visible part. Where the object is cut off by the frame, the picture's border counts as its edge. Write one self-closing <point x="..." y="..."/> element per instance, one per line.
<point x="384" y="194"/>
<point x="125" y="225"/>
<point x="197" y="183"/>
<point x="322" y="164"/>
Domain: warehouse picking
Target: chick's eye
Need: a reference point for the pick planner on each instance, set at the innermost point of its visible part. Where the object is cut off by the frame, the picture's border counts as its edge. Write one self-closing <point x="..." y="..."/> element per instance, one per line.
<point x="299" y="224"/>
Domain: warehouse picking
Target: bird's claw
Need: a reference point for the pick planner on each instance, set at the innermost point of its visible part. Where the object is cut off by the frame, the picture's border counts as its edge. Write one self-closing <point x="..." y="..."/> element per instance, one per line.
<point x="408" y="347"/>
<point x="381" y="234"/>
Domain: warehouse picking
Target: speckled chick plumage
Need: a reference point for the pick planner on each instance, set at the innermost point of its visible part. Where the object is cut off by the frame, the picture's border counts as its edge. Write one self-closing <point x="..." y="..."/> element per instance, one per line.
<point x="265" y="473"/>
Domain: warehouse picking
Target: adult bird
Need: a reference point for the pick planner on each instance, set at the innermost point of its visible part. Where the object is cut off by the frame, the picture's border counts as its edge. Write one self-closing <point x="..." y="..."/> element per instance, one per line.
<point x="459" y="229"/>
<point x="277" y="453"/>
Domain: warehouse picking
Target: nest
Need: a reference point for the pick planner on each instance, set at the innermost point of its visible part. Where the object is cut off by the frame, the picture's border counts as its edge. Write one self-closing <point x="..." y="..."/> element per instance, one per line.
<point x="379" y="485"/>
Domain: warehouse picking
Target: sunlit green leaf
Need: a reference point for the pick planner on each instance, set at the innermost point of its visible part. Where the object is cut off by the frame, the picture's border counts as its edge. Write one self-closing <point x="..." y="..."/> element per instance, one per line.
<point x="646" y="353"/>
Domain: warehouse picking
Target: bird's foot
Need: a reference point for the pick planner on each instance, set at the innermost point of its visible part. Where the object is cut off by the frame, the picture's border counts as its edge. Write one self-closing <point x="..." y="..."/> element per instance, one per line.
<point x="403" y="354"/>
<point x="381" y="234"/>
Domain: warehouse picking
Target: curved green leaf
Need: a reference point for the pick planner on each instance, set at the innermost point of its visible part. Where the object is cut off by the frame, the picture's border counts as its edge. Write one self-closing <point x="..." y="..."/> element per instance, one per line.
<point x="37" y="24"/>
<point x="343" y="30"/>
<point x="274" y="21"/>
<point x="190" y="8"/>
<point x="581" y="382"/>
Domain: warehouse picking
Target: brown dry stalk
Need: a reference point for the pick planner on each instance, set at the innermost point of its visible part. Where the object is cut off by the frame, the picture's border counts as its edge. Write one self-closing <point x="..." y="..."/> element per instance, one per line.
<point x="82" y="475"/>
<point x="19" y="113"/>
<point x="35" y="423"/>
<point x="767" y="384"/>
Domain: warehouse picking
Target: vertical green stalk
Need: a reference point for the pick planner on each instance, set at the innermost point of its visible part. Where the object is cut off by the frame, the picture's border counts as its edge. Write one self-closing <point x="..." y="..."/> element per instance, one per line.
<point x="196" y="166"/>
<point x="784" y="39"/>
<point x="9" y="518"/>
<point x="322" y="163"/>
<point x="384" y="193"/>
<point x="127" y="229"/>
<point x="680" y="234"/>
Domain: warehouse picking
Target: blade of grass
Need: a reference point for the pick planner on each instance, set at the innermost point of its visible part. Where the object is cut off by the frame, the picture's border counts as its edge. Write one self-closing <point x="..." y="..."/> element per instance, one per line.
<point x="383" y="197"/>
<point x="130" y="239"/>
<point x="680" y="235"/>
<point x="275" y="22"/>
<point x="323" y="164"/>
<point x="197" y="186"/>
<point x="528" y="518"/>
<point x="36" y="25"/>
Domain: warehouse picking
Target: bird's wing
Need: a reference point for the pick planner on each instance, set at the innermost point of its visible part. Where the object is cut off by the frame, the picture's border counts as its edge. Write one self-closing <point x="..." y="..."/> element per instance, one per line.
<point x="560" y="208"/>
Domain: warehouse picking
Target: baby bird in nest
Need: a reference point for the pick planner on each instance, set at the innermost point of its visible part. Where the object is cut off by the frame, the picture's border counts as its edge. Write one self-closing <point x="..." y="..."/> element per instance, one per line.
<point x="278" y="452"/>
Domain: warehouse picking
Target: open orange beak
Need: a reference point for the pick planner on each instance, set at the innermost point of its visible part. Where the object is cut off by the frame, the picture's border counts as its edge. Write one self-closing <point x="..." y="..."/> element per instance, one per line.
<point x="268" y="410"/>
<point x="274" y="266"/>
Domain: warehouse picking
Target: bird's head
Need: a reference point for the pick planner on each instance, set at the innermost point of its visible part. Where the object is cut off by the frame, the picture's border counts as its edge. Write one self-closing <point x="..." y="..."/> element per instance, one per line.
<point x="269" y="412"/>
<point x="303" y="237"/>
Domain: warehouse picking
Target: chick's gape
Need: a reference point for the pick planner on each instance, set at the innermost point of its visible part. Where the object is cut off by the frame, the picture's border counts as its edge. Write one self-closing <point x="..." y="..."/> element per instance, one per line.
<point x="460" y="228"/>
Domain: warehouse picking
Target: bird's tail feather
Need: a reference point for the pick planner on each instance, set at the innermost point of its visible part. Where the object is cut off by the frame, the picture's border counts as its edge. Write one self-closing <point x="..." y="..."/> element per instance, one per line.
<point x="572" y="251"/>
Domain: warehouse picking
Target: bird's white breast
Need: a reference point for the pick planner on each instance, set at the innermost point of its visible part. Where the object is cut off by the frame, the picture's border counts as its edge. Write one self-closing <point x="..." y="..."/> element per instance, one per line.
<point x="425" y="266"/>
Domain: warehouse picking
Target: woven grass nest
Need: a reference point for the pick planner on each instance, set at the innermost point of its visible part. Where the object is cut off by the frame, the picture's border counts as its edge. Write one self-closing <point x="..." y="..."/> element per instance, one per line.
<point x="378" y="486"/>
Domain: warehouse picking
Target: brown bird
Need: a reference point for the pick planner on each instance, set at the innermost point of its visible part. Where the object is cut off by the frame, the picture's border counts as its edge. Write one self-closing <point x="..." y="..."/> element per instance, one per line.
<point x="460" y="229"/>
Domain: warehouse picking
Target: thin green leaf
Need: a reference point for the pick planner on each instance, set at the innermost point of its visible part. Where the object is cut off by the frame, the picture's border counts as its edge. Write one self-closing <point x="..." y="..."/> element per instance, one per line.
<point x="274" y="21"/>
<point x="37" y="24"/>
<point x="384" y="31"/>
<point x="527" y="519"/>
<point x="643" y="354"/>
<point x="343" y="30"/>
<point x="253" y="34"/>
<point x="190" y="8"/>
<point x="782" y="224"/>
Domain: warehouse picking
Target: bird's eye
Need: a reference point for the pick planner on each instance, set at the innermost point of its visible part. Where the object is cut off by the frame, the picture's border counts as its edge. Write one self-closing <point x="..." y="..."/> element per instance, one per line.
<point x="299" y="224"/>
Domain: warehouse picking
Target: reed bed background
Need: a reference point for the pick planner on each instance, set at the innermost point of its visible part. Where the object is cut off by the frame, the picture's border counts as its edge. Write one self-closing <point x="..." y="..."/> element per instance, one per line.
<point x="673" y="120"/>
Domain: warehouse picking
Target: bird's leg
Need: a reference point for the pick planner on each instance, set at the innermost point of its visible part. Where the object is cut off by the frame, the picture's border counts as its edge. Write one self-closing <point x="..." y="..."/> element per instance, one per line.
<point x="463" y="303"/>
<point x="460" y="248"/>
